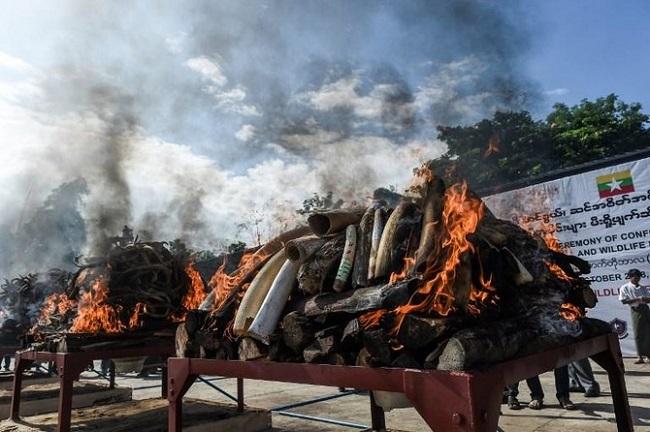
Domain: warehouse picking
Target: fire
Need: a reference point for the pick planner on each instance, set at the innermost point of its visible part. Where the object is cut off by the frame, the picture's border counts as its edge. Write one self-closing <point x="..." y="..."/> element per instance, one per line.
<point x="136" y="317"/>
<point x="223" y="283"/>
<point x="55" y="305"/>
<point x="408" y="265"/>
<point x="460" y="217"/>
<point x="94" y="315"/>
<point x="481" y="295"/>
<point x="558" y="272"/>
<point x="372" y="319"/>
<point x="570" y="312"/>
<point x="196" y="293"/>
<point x="493" y="145"/>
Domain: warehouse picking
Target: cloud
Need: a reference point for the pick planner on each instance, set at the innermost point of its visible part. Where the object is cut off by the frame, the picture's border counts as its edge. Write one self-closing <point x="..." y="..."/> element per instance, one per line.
<point x="15" y="64"/>
<point x="209" y="69"/>
<point x="557" y="92"/>
<point x="245" y="133"/>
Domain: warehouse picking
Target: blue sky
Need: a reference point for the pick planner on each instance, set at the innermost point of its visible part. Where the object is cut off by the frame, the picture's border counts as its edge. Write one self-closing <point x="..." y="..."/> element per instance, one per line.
<point x="592" y="48"/>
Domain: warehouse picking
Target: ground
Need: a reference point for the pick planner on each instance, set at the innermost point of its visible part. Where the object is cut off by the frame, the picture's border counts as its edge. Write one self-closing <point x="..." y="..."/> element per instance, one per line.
<point x="593" y="414"/>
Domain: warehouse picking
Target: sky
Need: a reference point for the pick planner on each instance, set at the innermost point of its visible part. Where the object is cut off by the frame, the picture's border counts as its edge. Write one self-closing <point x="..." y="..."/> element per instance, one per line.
<point x="211" y="121"/>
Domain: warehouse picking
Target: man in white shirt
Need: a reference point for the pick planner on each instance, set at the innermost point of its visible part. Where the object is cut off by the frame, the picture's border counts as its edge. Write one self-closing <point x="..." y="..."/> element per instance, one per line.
<point x="637" y="296"/>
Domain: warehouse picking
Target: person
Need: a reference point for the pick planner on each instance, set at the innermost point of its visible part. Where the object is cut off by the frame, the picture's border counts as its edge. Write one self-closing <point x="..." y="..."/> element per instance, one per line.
<point x="537" y="393"/>
<point x="582" y="380"/>
<point x="7" y="362"/>
<point x="637" y="296"/>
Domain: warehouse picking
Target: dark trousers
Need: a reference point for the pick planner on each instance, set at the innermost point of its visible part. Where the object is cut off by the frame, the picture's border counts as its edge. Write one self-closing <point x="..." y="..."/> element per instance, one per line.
<point x="536" y="391"/>
<point x="581" y="375"/>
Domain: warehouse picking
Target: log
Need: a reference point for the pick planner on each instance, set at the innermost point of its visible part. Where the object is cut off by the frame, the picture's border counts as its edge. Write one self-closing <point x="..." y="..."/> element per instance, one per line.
<point x="313" y="274"/>
<point x="376" y="342"/>
<point x="301" y="249"/>
<point x="360" y="300"/>
<point x="249" y="349"/>
<point x="297" y="331"/>
<point x="364" y="244"/>
<point x="256" y="293"/>
<point x="325" y="343"/>
<point x="417" y="331"/>
<point x="347" y="259"/>
<point x="181" y="341"/>
<point x="267" y="318"/>
<point x="351" y="337"/>
<point x="331" y="222"/>
<point x="489" y="344"/>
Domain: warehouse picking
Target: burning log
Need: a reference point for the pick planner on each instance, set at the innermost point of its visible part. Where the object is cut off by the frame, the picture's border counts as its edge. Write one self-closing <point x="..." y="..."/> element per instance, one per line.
<point x="359" y="300"/>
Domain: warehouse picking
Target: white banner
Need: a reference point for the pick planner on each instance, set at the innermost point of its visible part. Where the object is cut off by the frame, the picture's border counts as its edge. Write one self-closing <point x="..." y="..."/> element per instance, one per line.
<point x="602" y="216"/>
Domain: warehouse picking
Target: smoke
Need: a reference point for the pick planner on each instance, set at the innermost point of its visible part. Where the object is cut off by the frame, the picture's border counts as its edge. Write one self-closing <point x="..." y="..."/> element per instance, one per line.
<point x="214" y="121"/>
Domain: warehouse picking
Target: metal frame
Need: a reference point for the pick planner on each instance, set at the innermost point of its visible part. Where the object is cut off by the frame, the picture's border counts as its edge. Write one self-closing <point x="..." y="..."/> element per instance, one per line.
<point x="447" y="401"/>
<point x="69" y="366"/>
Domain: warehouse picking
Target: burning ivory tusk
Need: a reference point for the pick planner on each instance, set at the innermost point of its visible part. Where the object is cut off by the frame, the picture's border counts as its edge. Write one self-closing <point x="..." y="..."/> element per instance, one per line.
<point x="268" y="316"/>
<point x="301" y="249"/>
<point x="333" y="221"/>
<point x="255" y="294"/>
<point x="387" y="243"/>
<point x="377" y="230"/>
<point x="347" y="260"/>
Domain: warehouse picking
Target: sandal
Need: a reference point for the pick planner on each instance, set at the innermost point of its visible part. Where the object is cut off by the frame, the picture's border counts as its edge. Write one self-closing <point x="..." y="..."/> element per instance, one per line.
<point x="513" y="403"/>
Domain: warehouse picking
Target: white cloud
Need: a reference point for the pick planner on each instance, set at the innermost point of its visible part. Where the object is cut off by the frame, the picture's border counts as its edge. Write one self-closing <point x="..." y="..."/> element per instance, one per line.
<point x="16" y="64"/>
<point x="245" y="133"/>
<point x="209" y="69"/>
<point x="175" y="42"/>
<point x="557" y="92"/>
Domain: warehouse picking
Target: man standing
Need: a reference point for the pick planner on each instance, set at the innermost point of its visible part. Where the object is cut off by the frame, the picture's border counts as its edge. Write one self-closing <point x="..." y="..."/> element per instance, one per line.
<point x="638" y="297"/>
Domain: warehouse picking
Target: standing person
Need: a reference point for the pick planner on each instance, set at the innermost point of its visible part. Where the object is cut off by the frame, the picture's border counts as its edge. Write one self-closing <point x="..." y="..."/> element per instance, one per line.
<point x="536" y="394"/>
<point x="637" y="297"/>
<point x="582" y="380"/>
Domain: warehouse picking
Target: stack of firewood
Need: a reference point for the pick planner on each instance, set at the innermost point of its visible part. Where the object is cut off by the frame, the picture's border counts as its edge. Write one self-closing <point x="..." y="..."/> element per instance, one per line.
<point x="435" y="281"/>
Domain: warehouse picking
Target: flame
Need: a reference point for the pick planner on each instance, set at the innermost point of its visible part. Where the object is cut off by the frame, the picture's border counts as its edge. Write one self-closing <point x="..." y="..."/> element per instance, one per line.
<point x="570" y="312"/>
<point x="55" y="305"/>
<point x="493" y="145"/>
<point x="408" y="265"/>
<point x="372" y="319"/>
<point x="460" y="217"/>
<point x="558" y="272"/>
<point x="94" y="315"/>
<point x="224" y="283"/>
<point x="196" y="293"/>
<point x="136" y="317"/>
<point x="482" y="295"/>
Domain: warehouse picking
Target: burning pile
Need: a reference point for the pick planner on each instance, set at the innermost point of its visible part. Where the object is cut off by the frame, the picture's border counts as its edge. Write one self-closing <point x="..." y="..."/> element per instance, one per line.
<point x="137" y="287"/>
<point x="436" y="281"/>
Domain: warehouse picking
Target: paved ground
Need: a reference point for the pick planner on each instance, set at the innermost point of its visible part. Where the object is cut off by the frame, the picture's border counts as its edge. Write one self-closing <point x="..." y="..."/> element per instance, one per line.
<point x="593" y="415"/>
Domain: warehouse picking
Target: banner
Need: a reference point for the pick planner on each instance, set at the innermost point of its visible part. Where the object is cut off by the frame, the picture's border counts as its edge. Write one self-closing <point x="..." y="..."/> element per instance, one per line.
<point x="602" y="216"/>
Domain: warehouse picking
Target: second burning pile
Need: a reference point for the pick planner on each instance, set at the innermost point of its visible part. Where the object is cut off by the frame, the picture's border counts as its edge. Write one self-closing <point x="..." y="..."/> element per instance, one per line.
<point x="436" y="281"/>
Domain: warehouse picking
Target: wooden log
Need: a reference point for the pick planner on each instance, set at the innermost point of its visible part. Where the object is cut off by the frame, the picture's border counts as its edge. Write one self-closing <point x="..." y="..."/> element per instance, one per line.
<point x="297" y="331"/>
<point x="364" y="243"/>
<point x="347" y="259"/>
<point x="313" y="274"/>
<point x="417" y="331"/>
<point x="491" y="343"/>
<point x="377" y="343"/>
<point x="250" y="349"/>
<point x="267" y="318"/>
<point x="360" y="300"/>
<point x="351" y="336"/>
<point x="325" y="343"/>
<point x="301" y="249"/>
<point x="331" y="222"/>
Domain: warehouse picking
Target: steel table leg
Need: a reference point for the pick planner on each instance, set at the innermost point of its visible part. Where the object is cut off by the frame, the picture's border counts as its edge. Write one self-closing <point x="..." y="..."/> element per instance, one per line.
<point x="179" y="382"/>
<point x="377" y="417"/>
<point x="612" y="361"/>
<point x="240" y="395"/>
<point x="21" y="364"/>
<point x="111" y="375"/>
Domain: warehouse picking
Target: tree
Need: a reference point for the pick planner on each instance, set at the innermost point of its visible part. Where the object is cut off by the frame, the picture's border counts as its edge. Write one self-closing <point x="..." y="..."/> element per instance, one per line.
<point x="513" y="146"/>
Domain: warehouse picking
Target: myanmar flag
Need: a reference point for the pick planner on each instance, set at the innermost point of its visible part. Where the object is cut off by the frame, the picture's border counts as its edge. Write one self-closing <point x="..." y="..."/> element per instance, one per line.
<point x="615" y="184"/>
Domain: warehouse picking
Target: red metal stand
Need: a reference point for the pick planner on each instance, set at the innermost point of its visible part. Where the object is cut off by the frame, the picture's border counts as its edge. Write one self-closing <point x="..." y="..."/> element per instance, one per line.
<point x="5" y="351"/>
<point x="69" y="366"/>
<point x="447" y="401"/>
